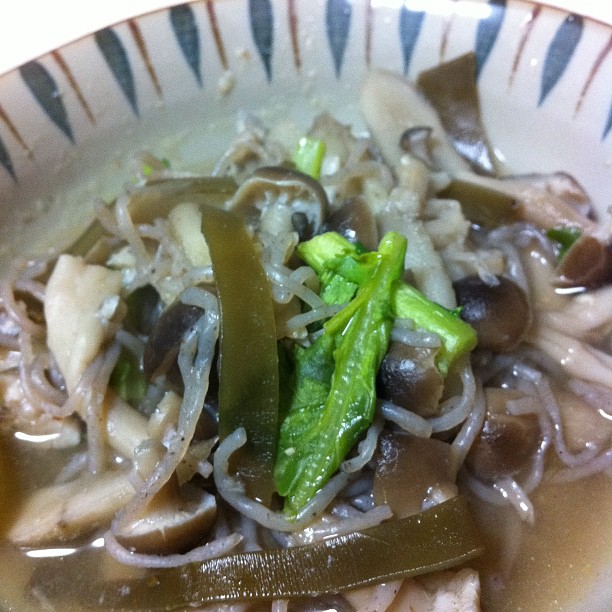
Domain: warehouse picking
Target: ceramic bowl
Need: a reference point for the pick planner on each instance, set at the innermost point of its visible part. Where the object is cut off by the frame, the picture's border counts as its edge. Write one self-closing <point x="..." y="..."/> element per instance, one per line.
<point x="171" y="82"/>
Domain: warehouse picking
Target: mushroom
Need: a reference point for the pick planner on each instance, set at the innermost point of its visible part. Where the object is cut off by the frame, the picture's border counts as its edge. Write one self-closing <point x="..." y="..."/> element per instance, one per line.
<point x="587" y="263"/>
<point x="354" y="220"/>
<point x="279" y="200"/>
<point x="506" y="442"/>
<point x="409" y="378"/>
<point x="451" y="89"/>
<point x="411" y="471"/>
<point x="163" y="344"/>
<point x="499" y="313"/>
<point x="417" y="142"/>
<point x="177" y="519"/>
<point x="546" y="200"/>
<point x="391" y="105"/>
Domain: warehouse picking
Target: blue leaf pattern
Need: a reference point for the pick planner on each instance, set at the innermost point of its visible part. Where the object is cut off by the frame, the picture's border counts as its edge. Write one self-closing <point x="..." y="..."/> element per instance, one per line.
<point x="44" y="89"/>
<point x="409" y="28"/>
<point x="262" y="28"/>
<point x="114" y="53"/>
<point x="608" y="124"/>
<point x="338" y="23"/>
<point x="487" y="32"/>
<point x="559" y="53"/>
<point x="5" y="160"/>
<point x="186" y="31"/>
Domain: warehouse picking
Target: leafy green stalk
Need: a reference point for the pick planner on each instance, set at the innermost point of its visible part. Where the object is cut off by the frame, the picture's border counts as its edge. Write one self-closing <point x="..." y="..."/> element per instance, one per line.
<point x="308" y="156"/>
<point x="335" y="395"/>
<point x="340" y="268"/>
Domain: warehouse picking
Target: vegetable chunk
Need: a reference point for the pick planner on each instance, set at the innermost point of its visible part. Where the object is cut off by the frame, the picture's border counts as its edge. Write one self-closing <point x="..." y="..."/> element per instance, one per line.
<point x="79" y="301"/>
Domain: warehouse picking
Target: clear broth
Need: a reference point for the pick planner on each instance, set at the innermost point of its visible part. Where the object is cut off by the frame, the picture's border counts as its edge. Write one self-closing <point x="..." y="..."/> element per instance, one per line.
<point x="550" y="567"/>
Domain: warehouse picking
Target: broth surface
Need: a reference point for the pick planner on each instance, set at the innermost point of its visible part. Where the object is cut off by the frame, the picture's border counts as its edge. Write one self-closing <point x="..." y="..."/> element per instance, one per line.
<point x="558" y="562"/>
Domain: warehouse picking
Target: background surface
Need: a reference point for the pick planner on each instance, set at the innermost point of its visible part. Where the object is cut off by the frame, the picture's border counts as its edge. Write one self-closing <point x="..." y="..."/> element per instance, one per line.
<point x="29" y="28"/>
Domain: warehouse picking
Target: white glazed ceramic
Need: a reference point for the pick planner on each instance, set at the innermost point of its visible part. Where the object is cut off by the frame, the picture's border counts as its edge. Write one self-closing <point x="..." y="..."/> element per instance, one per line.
<point x="172" y="82"/>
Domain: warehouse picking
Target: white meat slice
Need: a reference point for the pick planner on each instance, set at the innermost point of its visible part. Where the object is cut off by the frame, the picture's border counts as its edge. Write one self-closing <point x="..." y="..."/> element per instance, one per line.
<point x="447" y="591"/>
<point x="76" y="299"/>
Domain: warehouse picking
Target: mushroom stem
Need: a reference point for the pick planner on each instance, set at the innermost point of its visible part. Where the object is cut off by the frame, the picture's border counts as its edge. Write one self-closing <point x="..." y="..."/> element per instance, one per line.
<point x="64" y="511"/>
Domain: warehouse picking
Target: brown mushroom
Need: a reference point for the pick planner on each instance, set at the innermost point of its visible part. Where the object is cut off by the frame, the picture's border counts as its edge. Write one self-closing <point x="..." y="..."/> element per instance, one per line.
<point x="299" y="201"/>
<point x="164" y="341"/>
<point x="409" y="378"/>
<point x="354" y="220"/>
<point x="177" y="519"/>
<point x="499" y="313"/>
<point x="408" y="469"/>
<point x="506" y="442"/>
<point x="587" y="263"/>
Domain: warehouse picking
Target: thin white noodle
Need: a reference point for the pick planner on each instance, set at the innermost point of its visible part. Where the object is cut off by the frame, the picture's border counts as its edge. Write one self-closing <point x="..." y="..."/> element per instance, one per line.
<point x="512" y="492"/>
<point x="95" y="382"/>
<point x="502" y="493"/>
<point x="456" y="409"/>
<point x="597" y="396"/>
<point x="303" y="319"/>
<point x="280" y="605"/>
<point x="415" y="337"/>
<point x="469" y="430"/>
<point x="17" y="311"/>
<point x="127" y="230"/>
<point x="406" y="419"/>
<point x="532" y="406"/>
<point x="195" y="359"/>
<point x="283" y="279"/>
<point x="549" y="403"/>
<point x="232" y="491"/>
<point x="75" y="465"/>
<point x="210" y="550"/>
<point x="133" y="343"/>
<point x="365" y="448"/>
<point x="599" y="464"/>
<point x="10" y="362"/>
<point x="40" y="381"/>
<point x="35" y="288"/>
<point x="25" y="377"/>
<point x="334" y="525"/>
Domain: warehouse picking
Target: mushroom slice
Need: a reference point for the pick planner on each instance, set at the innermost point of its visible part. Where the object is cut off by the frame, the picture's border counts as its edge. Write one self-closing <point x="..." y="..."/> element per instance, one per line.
<point x="280" y="200"/>
<point x="391" y="105"/>
<point x="177" y="519"/>
<point x="451" y="89"/>
<point x="545" y="200"/>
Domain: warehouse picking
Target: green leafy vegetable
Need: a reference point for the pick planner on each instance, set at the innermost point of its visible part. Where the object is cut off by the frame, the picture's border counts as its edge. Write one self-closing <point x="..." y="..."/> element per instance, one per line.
<point x="336" y="262"/>
<point x="565" y="236"/>
<point x="334" y="398"/>
<point x="308" y="156"/>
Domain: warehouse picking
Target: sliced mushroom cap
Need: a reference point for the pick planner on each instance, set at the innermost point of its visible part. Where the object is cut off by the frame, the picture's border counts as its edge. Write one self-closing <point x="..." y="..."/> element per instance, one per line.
<point x="176" y="522"/>
<point x="301" y="197"/>
<point x="506" y="442"/>
<point x="354" y="220"/>
<point x="409" y="470"/>
<point x="451" y="88"/>
<point x="546" y="200"/>
<point x="500" y="313"/>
